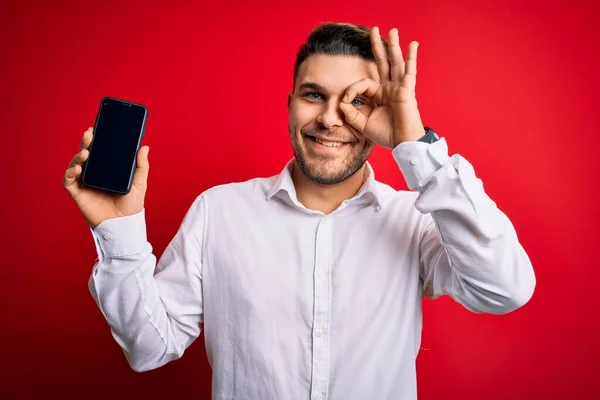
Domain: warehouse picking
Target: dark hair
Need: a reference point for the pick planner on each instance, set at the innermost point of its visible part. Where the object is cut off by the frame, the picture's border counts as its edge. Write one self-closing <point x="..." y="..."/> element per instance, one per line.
<point x="337" y="38"/>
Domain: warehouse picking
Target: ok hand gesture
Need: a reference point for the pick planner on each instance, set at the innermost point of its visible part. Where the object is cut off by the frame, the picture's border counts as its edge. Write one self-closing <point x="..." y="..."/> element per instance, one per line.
<point x="395" y="117"/>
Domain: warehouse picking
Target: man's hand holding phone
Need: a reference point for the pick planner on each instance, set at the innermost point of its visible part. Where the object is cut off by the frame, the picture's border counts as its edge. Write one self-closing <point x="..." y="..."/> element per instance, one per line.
<point x="98" y="205"/>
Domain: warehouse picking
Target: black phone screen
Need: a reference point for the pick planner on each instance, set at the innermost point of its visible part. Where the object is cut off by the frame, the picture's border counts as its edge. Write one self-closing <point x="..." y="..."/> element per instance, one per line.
<point x="117" y="135"/>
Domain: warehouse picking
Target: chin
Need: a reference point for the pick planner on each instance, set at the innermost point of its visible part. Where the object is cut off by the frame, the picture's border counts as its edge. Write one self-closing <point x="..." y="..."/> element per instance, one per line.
<point x="328" y="172"/>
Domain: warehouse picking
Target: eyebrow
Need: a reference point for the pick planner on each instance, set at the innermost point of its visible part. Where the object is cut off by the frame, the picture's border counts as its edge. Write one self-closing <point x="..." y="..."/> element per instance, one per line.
<point x="312" y="85"/>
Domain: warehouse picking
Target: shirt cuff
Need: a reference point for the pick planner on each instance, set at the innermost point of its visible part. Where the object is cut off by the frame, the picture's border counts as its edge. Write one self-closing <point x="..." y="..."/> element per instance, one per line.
<point x="418" y="161"/>
<point x="120" y="237"/>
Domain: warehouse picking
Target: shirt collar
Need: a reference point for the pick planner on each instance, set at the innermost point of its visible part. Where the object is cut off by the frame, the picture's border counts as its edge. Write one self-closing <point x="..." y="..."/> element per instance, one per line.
<point x="283" y="188"/>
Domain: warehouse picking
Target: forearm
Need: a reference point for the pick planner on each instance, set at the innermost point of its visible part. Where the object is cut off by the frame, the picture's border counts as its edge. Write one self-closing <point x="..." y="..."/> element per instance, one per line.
<point x="471" y="246"/>
<point x="123" y="285"/>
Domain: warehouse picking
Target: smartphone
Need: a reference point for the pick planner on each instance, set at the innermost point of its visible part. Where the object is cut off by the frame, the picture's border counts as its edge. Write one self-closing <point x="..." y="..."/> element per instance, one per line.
<point x="118" y="133"/>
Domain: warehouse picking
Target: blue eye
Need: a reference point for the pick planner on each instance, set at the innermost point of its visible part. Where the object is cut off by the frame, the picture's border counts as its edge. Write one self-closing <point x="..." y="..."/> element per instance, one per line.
<point x="357" y="102"/>
<point x="313" y="95"/>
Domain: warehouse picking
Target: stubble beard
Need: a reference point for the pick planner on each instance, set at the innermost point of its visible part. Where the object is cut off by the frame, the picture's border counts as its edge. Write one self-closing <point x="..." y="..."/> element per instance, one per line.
<point x="318" y="169"/>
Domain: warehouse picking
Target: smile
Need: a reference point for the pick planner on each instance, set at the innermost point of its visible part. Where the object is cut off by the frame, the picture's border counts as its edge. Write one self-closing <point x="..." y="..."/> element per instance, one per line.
<point x="329" y="144"/>
<point x="326" y="146"/>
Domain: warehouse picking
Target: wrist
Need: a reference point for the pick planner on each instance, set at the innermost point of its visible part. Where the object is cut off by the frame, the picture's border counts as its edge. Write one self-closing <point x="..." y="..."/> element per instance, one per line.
<point x="413" y="138"/>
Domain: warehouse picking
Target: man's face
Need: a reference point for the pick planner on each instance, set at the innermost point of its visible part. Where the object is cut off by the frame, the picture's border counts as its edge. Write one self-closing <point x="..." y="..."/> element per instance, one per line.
<point x="326" y="148"/>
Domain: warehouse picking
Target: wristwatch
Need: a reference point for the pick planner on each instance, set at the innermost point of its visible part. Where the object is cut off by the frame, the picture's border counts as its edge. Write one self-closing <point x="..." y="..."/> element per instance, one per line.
<point x="430" y="136"/>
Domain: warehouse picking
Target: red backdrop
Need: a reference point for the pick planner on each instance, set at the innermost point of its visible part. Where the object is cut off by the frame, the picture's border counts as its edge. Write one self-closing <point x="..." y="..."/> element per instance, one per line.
<point x="511" y="86"/>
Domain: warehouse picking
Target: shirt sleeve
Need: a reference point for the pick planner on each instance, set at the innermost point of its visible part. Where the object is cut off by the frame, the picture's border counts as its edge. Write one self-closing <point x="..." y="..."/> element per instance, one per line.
<point x="468" y="248"/>
<point x="154" y="310"/>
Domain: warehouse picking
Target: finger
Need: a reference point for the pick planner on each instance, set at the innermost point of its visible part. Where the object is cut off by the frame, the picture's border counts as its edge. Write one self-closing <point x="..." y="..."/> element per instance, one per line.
<point x="397" y="61"/>
<point x="140" y="178"/>
<point x="79" y="158"/>
<point x="380" y="54"/>
<point x="86" y="139"/>
<point x="409" y="79"/>
<point x="70" y="179"/>
<point x="367" y="87"/>
<point x="355" y="118"/>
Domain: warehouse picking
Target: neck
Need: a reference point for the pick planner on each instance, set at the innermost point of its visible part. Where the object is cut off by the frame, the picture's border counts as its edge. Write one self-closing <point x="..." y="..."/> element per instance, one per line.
<point x="326" y="198"/>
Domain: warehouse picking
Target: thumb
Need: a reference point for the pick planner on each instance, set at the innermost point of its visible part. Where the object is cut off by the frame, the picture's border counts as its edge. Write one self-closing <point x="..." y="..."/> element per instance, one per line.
<point x="143" y="165"/>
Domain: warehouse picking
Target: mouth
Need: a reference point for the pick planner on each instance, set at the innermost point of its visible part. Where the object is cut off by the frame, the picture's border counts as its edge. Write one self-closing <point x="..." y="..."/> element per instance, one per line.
<point x="327" y="145"/>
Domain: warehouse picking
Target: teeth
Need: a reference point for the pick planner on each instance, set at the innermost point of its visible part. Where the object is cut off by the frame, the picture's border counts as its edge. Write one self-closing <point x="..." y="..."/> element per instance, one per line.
<point x="329" y="144"/>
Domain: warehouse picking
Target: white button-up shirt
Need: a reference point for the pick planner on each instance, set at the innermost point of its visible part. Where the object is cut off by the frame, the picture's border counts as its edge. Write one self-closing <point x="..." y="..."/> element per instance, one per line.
<point x="296" y="304"/>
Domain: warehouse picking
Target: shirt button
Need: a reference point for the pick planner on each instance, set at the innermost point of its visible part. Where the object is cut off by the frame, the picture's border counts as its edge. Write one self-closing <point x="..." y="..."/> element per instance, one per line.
<point x="414" y="160"/>
<point x="319" y="333"/>
<point x="107" y="236"/>
<point x="319" y="396"/>
<point x="321" y="274"/>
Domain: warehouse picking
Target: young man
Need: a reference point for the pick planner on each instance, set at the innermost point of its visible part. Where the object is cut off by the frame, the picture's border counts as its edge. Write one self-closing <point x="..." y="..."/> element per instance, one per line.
<point x="308" y="284"/>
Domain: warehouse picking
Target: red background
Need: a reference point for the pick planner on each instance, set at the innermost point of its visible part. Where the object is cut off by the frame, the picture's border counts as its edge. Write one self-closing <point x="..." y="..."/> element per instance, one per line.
<point x="512" y="86"/>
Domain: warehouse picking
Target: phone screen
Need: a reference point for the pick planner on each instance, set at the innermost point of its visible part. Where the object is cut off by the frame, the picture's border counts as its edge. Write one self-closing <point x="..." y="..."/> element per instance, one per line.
<point x="117" y="135"/>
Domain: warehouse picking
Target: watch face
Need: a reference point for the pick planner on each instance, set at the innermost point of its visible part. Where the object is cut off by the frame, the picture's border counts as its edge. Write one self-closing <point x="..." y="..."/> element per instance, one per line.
<point x="430" y="137"/>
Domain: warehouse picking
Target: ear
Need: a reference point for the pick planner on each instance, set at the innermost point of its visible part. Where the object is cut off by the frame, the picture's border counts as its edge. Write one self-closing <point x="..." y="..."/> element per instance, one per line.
<point x="290" y="94"/>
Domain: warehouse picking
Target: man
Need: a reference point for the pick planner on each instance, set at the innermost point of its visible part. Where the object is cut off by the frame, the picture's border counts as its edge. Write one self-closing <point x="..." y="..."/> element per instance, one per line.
<point x="308" y="284"/>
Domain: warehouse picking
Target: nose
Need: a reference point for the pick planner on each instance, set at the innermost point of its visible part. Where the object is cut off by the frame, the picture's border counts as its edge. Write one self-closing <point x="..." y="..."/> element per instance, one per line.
<point x="331" y="115"/>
